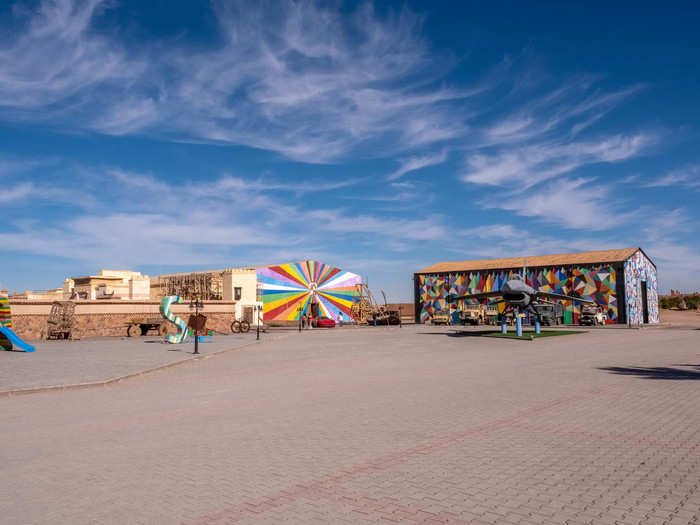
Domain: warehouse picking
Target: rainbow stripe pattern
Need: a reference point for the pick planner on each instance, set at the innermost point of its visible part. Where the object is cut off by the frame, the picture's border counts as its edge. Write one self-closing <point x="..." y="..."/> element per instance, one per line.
<point x="177" y="321"/>
<point x="5" y="313"/>
<point x="289" y="290"/>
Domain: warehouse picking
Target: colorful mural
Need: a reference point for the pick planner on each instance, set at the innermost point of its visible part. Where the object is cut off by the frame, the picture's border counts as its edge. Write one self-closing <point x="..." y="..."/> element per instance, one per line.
<point x="596" y="283"/>
<point x="5" y="313"/>
<point x="639" y="269"/>
<point x="290" y="290"/>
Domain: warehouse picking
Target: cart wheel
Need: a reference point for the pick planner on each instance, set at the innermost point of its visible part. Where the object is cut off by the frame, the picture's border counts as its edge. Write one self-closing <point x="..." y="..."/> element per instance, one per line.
<point x="134" y="330"/>
<point x="245" y="326"/>
<point x="163" y="329"/>
<point x="236" y="327"/>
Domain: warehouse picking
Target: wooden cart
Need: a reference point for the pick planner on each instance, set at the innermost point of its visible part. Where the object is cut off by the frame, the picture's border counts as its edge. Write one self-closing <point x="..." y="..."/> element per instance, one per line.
<point x="141" y="326"/>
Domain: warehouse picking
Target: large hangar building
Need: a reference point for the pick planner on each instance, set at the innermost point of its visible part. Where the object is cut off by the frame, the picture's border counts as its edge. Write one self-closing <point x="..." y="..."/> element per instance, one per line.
<point x="621" y="281"/>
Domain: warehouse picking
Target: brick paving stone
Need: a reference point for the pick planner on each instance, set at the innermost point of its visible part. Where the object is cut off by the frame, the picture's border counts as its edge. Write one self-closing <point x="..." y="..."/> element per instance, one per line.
<point x="371" y="426"/>
<point x="99" y="359"/>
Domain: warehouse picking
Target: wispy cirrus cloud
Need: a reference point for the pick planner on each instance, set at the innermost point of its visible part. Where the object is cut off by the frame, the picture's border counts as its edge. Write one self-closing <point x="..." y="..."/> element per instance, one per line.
<point x="310" y="82"/>
<point x="529" y="165"/>
<point x="569" y="203"/>
<point x="686" y="177"/>
<point x="150" y="220"/>
<point x="566" y="110"/>
<point x="53" y="56"/>
<point x="418" y="162"/>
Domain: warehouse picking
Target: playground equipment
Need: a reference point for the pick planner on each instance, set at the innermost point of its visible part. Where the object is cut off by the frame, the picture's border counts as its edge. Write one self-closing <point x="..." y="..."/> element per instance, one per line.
<point x="59" y="325"/>
<point x="10" y="339"/>
<point x="180" y="323"/>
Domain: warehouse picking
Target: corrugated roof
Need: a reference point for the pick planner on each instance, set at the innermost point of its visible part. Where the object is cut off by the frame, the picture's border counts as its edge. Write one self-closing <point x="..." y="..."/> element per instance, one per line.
<point x="559" y="259"/>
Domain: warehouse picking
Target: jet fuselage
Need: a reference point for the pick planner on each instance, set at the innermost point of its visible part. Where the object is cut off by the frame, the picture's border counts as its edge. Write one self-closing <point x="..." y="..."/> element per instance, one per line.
<point x="517" y="293"/>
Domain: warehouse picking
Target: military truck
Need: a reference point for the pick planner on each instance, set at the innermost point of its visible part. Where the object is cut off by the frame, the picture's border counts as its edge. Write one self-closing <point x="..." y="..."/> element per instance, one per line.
<point x="441" y="318"/>
<point x="592" y="315"/>
<point x="550" y="314"/>
<point x="476" y="314"/>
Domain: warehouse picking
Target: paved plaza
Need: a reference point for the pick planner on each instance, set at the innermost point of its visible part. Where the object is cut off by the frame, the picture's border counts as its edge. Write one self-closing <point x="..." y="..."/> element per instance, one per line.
<point x="99" y="359"/>
<point x="388" y="425"/>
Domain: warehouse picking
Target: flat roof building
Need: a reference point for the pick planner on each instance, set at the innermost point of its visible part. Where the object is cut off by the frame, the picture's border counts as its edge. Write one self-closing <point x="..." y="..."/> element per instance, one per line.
<point x="622" y="281"/>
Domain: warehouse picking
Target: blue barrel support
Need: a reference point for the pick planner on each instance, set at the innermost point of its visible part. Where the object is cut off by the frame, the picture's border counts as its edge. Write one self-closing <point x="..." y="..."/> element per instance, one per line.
<point x="537" y="325"/>
<point x="519" y="325"/>
<point x="504" y="328"/>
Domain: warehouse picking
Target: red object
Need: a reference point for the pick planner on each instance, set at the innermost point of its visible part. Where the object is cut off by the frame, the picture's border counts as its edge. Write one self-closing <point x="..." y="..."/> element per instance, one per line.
<point x="324" y="322"/>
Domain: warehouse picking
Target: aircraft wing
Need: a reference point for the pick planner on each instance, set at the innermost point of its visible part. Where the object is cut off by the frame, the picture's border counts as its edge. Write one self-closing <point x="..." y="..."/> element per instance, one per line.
<point x="564" y="297"/>
<point x="477" y="296"/>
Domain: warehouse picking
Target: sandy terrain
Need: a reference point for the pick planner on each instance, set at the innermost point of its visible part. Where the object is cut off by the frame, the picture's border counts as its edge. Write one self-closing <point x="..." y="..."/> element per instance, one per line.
<point x="677" y="318"/>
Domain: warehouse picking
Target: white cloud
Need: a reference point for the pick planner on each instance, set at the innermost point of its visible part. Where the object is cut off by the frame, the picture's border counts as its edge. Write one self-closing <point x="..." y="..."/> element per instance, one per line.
<point x="416" y="163"/>
<point x="52" y="55"/>
<point x="687" y="177"/>
<point x="230" y="220"/>
<point x="428" y="229"/>
<point x="529" y="165"/>
<point x="580" y="203"/>
<point x="567" y="110"/>
<point x="17" y="192"/>
<point x="311" y="82"/>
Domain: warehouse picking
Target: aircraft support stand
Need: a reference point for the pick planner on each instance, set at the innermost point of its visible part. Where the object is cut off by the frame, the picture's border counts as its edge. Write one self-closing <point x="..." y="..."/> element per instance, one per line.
<point x="537" y="324"/>
<point x="504" y="327"/>
<point x="519" y="324"/>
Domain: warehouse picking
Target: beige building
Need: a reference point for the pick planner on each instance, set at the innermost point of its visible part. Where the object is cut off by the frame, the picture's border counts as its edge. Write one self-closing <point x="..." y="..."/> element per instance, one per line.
<point x="239" y="285"/>
<point x="108" y="285"/>
<point x="55" y="294"/>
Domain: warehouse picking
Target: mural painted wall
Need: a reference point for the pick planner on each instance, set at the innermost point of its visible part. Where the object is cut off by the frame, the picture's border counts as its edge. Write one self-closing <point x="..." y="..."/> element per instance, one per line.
<point x="637" y="270"/>
<point x="289" y="290"/>
<point x="5" y="313"/>
<point x="596" y="283"/>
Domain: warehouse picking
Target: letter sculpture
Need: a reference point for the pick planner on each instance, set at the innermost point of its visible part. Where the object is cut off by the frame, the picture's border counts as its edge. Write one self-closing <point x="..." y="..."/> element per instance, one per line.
<point x="182" y="325"/>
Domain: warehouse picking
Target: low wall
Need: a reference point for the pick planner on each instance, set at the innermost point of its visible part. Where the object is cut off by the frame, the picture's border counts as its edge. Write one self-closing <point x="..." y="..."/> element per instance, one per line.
<point x="109" y="318"/>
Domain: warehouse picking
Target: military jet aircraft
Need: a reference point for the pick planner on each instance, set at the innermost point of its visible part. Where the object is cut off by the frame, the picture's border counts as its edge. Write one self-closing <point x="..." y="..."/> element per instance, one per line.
<point x="517" y="294"/>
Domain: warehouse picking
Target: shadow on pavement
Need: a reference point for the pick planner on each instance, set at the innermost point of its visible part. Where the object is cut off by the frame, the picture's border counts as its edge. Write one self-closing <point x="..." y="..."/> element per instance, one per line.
<point x="658" y="372"/>
<point x="462" y="333"/>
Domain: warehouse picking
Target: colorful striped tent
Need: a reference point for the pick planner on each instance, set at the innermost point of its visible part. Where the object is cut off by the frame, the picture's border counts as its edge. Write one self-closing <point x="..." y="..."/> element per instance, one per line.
<point x="291" y="290"/>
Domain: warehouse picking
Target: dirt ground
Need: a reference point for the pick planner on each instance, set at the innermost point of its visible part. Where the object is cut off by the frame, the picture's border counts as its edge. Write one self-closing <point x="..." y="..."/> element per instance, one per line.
<point x="689" y="318"/>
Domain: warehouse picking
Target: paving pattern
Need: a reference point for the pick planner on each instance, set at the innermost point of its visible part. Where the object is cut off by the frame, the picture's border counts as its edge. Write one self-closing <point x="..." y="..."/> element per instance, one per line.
<point x="389" y="425"/>
<point x="98" y="359"/>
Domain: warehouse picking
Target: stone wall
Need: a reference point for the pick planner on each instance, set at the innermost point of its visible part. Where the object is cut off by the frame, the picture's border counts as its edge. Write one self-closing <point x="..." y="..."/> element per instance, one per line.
<point x="96" y="318"/>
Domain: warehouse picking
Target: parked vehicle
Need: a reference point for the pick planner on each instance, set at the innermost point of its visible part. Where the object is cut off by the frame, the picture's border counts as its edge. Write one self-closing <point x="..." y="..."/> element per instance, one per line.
<point x="550" y="314"/>
<point x="441" y="318"/>
<point x="324" y="322"/>
<point x="592" y="315"/>
<point x="476" y="314"/>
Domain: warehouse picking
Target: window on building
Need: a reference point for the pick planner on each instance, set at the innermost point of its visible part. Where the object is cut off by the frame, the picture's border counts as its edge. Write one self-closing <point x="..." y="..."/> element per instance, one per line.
<point x="237" y="293"/>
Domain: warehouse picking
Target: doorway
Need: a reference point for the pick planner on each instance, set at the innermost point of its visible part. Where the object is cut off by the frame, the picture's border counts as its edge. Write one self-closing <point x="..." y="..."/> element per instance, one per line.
<point x="314" y="310"/>
<point x="645" y="304"/>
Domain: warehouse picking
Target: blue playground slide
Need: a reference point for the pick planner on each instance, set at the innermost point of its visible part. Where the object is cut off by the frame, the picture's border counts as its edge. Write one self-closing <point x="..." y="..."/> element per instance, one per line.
<point x="16" y="341"/>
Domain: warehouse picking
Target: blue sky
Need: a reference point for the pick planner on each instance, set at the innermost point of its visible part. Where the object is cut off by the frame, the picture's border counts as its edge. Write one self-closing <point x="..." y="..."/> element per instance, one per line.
<point x="380" y="138"/>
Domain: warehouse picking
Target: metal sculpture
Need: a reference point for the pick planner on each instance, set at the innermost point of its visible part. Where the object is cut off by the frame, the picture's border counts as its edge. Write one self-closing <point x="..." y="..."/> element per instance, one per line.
<point x="165" y="311"/>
